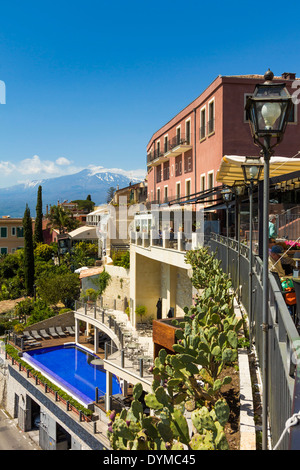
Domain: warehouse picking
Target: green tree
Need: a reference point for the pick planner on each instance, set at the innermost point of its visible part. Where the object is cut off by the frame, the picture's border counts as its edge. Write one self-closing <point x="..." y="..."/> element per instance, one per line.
<point x="62" y="219"/>
<point x="110" y="194"/>
<point x="43" y="251"/>
<point x="38" y="227"/>
<point x="63" y="288"/>
<point x="28" y="252"/>
<point x="85" y="204"/>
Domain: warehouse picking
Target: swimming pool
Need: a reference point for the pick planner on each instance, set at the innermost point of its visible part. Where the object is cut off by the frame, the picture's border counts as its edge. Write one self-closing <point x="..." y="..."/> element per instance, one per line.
<point x="71" y="368"/>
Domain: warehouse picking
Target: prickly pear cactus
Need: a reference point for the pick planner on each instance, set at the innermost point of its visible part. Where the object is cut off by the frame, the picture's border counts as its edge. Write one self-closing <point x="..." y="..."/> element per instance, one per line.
<point x="189" y="380"/>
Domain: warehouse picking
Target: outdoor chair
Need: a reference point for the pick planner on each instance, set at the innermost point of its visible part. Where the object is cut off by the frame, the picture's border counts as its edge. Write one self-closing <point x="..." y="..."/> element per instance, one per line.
<point x="27" y="335"/>
<point x="60" y="332"/>
<point x="70" y="330"/>
<point x="53" y="333"/>
<point x="44" y="334"/>
<point x="35" y="334"/>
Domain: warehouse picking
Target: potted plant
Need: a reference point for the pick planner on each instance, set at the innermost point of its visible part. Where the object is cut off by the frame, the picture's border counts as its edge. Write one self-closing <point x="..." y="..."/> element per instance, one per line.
<point x="141" y="311"/>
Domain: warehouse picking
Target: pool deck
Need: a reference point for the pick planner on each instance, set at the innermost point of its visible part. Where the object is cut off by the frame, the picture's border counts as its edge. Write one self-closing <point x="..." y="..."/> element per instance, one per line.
<point x="48" y="343"/>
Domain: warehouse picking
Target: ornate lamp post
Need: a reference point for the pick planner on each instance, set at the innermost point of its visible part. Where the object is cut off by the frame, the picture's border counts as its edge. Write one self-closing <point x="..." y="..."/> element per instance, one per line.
<point x="268" y="111"/>
<point x="227" y="197"/>
<point x="252" y="169"/>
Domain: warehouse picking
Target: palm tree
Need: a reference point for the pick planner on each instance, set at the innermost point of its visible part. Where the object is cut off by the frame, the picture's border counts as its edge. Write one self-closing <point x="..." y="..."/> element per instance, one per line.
<point x="61" y="219"/>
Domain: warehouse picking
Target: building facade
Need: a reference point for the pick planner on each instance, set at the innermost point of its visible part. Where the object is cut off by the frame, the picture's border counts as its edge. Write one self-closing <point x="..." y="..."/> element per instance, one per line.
<point x="184" y="155"/>
<point x="11" y="235"/>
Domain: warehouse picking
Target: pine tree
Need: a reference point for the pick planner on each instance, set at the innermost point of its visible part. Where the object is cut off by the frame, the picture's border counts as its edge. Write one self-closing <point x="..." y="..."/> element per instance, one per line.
<point x="28" y="252"/>
<point x="38" y="227"/>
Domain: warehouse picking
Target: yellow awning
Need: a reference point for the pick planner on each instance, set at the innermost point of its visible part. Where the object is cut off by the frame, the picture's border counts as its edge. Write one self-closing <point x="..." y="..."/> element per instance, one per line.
<point x="230" y="170"/>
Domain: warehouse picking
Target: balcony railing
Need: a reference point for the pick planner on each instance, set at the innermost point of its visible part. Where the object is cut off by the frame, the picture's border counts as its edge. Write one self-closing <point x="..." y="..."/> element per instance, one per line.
<point x="283" y="335"/>
<point x="178" y="144"/>
<point x="178" y="241"/>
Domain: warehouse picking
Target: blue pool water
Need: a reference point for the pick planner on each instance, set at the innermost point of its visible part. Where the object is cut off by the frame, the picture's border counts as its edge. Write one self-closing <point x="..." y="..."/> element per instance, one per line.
<point x="70" y="366"/>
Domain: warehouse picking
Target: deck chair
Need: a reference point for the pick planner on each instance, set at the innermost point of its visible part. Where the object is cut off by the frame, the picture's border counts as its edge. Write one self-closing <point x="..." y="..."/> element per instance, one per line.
<point x="60" y="332"/>
<point x="35" y="334"/>
<point x="44" y="334"/>
<point x="53" y="333"/>
<point x="70" y="330"/>
<point x="28" y="335"/>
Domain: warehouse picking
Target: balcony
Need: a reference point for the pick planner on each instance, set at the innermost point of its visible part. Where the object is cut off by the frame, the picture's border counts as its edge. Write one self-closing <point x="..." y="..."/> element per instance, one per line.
<point x="180" y="241"/>
<point x="175" y="146"/>
<point x="179" y="144"/>
<point x="156" y="158"/>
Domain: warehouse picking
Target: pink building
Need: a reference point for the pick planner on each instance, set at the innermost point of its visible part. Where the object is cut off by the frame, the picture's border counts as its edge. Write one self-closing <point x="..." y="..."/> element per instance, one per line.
<point x="184" y="155"/>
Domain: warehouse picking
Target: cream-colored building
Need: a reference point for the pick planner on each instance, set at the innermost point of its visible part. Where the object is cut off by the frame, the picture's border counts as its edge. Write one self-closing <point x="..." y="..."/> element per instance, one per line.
<point x="11" y="235"/>
<point x="158" y="269"/>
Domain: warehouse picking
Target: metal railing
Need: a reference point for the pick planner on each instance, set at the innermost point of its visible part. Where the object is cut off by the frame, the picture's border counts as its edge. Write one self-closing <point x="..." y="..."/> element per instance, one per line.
<point x="283" y="335"/>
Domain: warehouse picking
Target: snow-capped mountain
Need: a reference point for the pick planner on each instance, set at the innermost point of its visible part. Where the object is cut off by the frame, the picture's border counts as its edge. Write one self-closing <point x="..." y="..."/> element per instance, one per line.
<point x="70" y="187"/>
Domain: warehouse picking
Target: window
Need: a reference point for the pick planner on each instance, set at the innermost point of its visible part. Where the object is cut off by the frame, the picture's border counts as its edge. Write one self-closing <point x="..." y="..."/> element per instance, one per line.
<point x="188" y="162"/>
<point x="211" y="116"/>
<point x="246" y="96"/>
<point x="3" y="251"/>
<point x="166" y="144"/>
<point x="210" y="180"/>
<point x="166" y="170"/>
<point x="178" y="135"/>
<point x="188" y="187"/>
<point x="188" y="131"/>
<point x="158" y="195"/>
<point x="166" y="193"/>
<point x="13" y="231"/>
<point x="158" y="148"/>
<point x="202" y="182"/>
<point x="158" y="174"/>
<point x="3" y="232"/>
<point x="178" y="165"/>
<point x="177" y="190"/>
<point x="202" y="123"/>
<point x="20" y="232"/>
<point x="293" y="114"/>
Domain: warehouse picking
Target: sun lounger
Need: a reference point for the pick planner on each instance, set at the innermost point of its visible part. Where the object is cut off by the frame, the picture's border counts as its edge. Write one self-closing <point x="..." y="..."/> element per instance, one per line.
<point x="35" y="334"/>
<point x="60" y="332"/>
<point x="27" y="335"/>
<point x="53" y="332"/>
<point x="70" y="330"/>
<point x="44" y="334"/>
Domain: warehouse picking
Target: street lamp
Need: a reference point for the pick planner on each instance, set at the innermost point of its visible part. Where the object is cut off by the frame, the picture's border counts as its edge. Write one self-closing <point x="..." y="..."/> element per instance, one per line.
<point x="227" y="197"/>
<point x="267" y="110"/>
<point x="252" y="169"/>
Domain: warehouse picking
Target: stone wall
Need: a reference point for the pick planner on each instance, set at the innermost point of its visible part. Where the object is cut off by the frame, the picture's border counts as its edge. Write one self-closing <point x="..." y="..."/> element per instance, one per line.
<point x="118" y="289"/>
<point x="63" y="320"/>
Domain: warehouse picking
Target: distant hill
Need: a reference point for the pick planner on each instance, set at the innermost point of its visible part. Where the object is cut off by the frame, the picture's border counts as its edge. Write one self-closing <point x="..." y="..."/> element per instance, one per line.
<point x="70" y="187"/>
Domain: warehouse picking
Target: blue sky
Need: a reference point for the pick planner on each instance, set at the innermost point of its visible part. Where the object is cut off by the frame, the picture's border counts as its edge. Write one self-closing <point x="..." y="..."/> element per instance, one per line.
<point x="88" y="83"/>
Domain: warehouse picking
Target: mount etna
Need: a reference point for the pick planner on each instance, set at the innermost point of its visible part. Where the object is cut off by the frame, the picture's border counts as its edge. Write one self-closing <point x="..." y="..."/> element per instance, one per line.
<point x="13" y="199"/>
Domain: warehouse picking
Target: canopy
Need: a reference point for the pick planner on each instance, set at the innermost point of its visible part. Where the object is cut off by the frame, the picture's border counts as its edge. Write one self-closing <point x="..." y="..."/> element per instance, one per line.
<point x="230" y="170"/>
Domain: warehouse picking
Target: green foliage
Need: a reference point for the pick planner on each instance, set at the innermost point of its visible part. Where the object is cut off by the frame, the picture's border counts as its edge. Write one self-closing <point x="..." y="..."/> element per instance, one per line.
<point x="63" y="288"/>
<point x="90" y="294"/>
<point x="121" y="259"/>
<point x="85" y="204"/>
<point x="62" y="219"/>
<point x="43" y="252"/>
<point x="28" y="252"/>
<point x="33" y="311"/>
<point x="190" y="379"/>
<point x="141" y="311"/>
<point x="101" y="282"/>
<point x="38" y="225"/>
